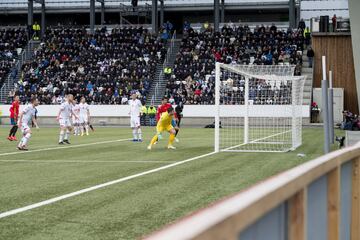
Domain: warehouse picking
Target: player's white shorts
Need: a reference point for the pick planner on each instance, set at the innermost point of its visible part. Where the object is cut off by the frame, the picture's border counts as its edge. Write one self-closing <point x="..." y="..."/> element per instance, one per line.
<point x="65" y="122"/>
<point x="24" y="127"/>
<point x="134" y="122"/>
<point x="83" y="119"/>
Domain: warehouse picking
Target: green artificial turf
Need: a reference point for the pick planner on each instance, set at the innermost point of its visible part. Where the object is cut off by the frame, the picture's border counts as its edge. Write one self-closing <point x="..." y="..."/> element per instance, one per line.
<point x="131" y="209"/>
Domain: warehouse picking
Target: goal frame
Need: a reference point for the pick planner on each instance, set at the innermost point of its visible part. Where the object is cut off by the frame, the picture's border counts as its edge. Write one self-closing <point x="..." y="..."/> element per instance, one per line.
<point x="296" y="140"/>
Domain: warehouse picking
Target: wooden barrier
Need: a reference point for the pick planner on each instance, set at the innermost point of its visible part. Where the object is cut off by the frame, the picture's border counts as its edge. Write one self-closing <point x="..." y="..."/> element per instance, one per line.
<point x="318" y="200"/>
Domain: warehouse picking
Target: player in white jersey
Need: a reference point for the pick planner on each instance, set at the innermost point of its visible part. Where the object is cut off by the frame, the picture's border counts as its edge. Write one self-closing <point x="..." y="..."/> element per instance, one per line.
<point x="135" y="106"/>
<point x="64" y="116"/>
<point x="84" y="116"/>
<point x="26" y="116"/>
<point x="75" y="118"/>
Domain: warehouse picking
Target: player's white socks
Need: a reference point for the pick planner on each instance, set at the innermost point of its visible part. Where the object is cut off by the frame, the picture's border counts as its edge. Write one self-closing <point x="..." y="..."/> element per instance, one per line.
<point x="61" y="136"/>
<point x="139" y="133"/>
<point x="76" y="130"/>
<point x="82" y="130"/>
<point x="134" y="133"/>
<point x="25" y="139"/>
<point x="67" y="133"/>
<point x="87" y="129"/>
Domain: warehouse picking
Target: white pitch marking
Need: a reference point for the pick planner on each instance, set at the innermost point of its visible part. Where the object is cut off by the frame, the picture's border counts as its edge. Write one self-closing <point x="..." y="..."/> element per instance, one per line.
<point x="64" y="147"/>
<point x="255" y="141"/>
<point x="73" y="194"/>
<point x="80" y="161"/>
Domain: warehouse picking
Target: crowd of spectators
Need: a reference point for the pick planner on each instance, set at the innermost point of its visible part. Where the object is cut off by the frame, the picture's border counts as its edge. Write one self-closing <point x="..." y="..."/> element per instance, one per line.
<point x="12" y="41"/>
<point x="107" y="65"/>
<point x="261" y="92"/>
<point x="104" y="67"/>
<point x="192" y="81"/>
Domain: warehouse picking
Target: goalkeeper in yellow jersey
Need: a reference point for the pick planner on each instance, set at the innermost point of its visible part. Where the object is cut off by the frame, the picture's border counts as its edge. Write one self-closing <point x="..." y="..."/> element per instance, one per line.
<point x="164" y="124"/>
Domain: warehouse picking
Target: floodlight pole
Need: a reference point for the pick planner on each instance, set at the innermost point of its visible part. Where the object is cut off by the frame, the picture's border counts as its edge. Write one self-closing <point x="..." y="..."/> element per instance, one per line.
<point x="161" y="13"/>
<point x="154" y="16"/>
<point x="102" y="11"/>
<point x="298" y="9"/>
<point x="216" y="15"/>
<point x="92" y="16"/>
<point x="331" y="108"/>
<point x="325" y="103"/>
<point x="43" y="26"/>
<point x="30" y="17"/>
<point x="292" y="10"/>
<point x="222" y="11"/>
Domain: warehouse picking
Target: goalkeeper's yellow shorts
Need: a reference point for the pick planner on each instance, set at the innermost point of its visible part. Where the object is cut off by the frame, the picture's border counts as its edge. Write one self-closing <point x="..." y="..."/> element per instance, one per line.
<point x="161" y="128"/>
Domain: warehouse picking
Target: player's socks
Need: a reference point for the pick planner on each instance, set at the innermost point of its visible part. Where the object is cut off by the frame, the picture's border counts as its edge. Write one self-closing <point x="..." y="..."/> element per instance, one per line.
<point x="139" y="134"/>
<point x="66" y="136"/>
<point x="87" y="130"/>
<point x="61" y="136"/>
<point x="153" y="140"/>
<point x="25" y="139"/>
<point x="11" y="131"/>
<point x="171" y="139"/>
<point x="15" y="130"/>
<point x="20" y="143"/>
<point x="134" y="132"/>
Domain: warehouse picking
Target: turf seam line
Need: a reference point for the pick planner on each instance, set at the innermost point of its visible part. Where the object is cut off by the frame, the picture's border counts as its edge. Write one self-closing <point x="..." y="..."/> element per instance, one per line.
<point x="99" y="186"/>
<point x="64" y="147"/>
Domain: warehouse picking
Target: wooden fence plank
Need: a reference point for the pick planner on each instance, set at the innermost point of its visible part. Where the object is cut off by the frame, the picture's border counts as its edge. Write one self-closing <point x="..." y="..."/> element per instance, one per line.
<point x="355" y="205"/>
<point x="296" y="206"/>
<point x="334" y="204"/>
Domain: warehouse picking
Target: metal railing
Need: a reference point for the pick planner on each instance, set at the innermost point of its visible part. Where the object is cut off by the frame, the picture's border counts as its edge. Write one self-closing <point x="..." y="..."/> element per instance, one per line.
<point x="318" y="200"/>
<point x="165" y="64"/>
<point x="9" y="83"/>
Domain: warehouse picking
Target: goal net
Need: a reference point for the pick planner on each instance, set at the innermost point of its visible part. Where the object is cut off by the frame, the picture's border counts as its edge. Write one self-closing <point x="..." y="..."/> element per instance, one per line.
<point x="258" y="108"/>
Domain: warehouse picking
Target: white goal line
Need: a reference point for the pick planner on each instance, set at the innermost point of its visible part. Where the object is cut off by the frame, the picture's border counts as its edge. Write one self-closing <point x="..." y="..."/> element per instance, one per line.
<point x="256" y="140"/>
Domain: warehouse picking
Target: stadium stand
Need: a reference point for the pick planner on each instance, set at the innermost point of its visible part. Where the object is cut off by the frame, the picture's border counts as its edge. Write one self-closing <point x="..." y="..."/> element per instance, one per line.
<point x="12" y="41"/>
<point x="104" y="67"/>
<point x="192" y="81"/>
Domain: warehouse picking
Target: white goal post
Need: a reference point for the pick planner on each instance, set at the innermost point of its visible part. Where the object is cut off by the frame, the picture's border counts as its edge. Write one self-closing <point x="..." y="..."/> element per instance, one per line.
<point x="258" y="108"/>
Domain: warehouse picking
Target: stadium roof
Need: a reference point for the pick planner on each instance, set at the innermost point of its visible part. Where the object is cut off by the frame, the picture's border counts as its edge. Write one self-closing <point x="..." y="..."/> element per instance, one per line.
<point x="20" y="6"/>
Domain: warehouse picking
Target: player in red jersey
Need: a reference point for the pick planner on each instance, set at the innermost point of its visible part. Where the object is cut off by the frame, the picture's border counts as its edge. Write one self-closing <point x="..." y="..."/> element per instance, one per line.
<point x="14" y="113"/>
<point x="162" y="108"/>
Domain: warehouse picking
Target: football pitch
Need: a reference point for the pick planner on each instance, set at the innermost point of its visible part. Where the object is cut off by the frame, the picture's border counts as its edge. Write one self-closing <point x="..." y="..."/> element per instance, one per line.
<point x="104" y="186"/>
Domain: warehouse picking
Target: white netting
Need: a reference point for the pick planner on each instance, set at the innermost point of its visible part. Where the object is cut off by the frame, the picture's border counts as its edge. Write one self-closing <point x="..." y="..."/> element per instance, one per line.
<point x="259" y="108"/>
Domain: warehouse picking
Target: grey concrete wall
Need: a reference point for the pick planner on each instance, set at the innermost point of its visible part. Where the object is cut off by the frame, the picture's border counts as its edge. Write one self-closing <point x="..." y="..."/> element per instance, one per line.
<point x="354" y="9"/>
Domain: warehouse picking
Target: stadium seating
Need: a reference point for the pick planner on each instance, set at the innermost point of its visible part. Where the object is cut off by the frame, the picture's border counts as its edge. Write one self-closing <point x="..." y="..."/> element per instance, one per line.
<point x="104" y="67"/>
<point x="192" y="80"/>
<point x="12" y="41"/>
